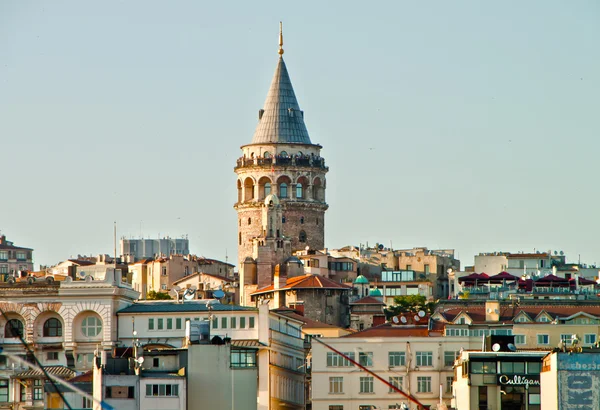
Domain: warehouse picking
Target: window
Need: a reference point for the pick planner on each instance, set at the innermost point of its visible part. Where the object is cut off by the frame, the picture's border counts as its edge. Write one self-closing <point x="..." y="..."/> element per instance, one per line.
<point x="267" y="188"/>
<point x="163" y="286"/>
<point x="589" y="338"/>
<point x="336" y="385"/>
<point x="91" y="326"/>
<point x="251" y="322"/>
<point x="120" y="392"/>
<point x="534" y="367"/>
<point x="366" y="384"/>
<point x="396" y="359"/>
<point x="449" y="358"/>
<point x="215" y="323"/>
<point x="21" y="256"/>
<point x="426" y="269"/>
<point x="423" y="384"/>
<point x="178" y="323"/>
<point x="299" y="191"/>
<point x="336" y="407"/>
<point x="567" y="338"/>
<point x="160" y="323"/>
<point x="164" y="271"/>
<point x="169" y="324"/>
<point x="543" y="339"/>
<point x="243" y="322"/>
<point x="302" y="236"/>
<point x="223" y="323"/>
<point x="38" y="392"/>
<point x="396" y="381"/>
<point x="3" y="268"/>
<point x="158" y="390"/>
<point x="233" y="322"/>
<point x="52" y="328"/>
<point x="424" y="358"/>
<point x="408" y="267"/>
<point x="543" y="319"/>
<point x="335" y="360"/>
<point x="243" y="358"/>
<point x="301" y="220"/>
<point x="22" y="393"/>
<point x="449" y="380"/>
<point x="86" y="403"/>
<point x="3" y="255"/>
<point x="365" y="358"/>
<point x="513" y="367"/>
<point x="483" y="367"/>
<point x="283" y="188"/>
<point x="283" y="219"/>
<point x="85" y="359"/>
<point x="150" y="323"/>
<point x="3" y="390"/>
<point x="520" y="339"/>
<point x="13" y="328"/>
<point x="51" y="355"/>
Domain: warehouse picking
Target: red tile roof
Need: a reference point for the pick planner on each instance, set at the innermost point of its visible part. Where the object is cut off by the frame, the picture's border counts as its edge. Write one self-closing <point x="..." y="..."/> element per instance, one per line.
<point x="507" y="313"/>
<point x="368" y="300"/>
<point x="388" y="330"/>
<point x="309" y="281"/>
<point x="308" y="323"/>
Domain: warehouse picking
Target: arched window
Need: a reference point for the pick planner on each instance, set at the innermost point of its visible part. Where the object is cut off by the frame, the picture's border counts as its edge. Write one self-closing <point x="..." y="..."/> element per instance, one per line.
<point x="283" y="219"/>
<point x="302" y="236"/>
<point x="267" y="154"/>
<point x="13" y="328"/>
<point x="283" y="154"/>
<point x="283" y="190"/>
<point x="52" y="328"/>
<point x="299" y="191"/>
<point x="240" y="238"/>
<point x="91" y="326"/>
<point x="267" y="188"/>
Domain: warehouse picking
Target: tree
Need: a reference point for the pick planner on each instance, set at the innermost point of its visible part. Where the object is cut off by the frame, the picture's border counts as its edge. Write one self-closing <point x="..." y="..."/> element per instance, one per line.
<point x="409" y="304"/>
<point x="153" y="295"/>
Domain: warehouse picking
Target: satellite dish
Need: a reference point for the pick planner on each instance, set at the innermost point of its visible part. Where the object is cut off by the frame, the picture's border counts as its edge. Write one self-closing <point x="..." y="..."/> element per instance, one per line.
<point x="496" y="347"/>
<point x="82" y="274"/>
<point x="417" y="318"/>
<point x="403" y="319"/>
<point x="140" y="360"/>
<point x="189" y="294"/>
<point x="218" y="294"/>
<point x="561" y="253"/>
<point x="395" y="319"/>
<point x="512" y="347"/>
<point x="421" y="313"/>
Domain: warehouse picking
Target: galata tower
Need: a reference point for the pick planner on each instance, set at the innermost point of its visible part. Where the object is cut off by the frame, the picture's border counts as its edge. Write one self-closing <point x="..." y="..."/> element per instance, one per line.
<point x="281" y="161"/>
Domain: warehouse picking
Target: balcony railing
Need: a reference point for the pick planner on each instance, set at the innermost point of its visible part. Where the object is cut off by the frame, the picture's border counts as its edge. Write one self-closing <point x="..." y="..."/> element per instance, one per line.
<point x="286" y="339"/>
<point x="304" y="161"/>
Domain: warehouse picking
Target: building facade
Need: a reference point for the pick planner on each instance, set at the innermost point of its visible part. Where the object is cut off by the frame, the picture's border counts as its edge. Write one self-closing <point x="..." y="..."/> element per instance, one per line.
<point x="150" y="248"/>
<point x="14" y="258"/>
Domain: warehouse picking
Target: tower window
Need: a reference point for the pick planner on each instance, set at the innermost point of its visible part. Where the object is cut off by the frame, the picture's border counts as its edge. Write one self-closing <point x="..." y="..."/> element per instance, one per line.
<point x="302" y="236"/>
<point x="267" y="154"/>
<point x="299" y="191"/>
<point x="283" y="154"/>
<point x="267" y="188"/>
<point x="283" y="219"/>
<point x="317" y="221"/>
<point x="249" y="221"/>
<point x="240" y="238"/>
<point x="302" y="220"/>
<point x="283" y="190"/>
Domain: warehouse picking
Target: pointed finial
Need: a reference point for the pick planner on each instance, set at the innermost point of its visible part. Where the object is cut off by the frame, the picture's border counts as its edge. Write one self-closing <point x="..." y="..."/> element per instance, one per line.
<point x="280" y="39"/>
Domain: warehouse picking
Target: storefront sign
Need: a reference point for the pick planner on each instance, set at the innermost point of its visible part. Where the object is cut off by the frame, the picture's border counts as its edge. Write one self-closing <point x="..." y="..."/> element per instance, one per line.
<point x="519" y="380"/>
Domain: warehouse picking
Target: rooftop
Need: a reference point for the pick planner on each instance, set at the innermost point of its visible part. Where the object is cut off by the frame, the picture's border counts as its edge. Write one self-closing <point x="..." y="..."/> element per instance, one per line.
<point x="175" y="307"/>
<point x="309" y="281"/>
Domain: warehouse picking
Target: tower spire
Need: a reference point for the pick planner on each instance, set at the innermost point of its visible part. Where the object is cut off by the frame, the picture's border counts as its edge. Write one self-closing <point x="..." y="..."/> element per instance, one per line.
<point x="280" y="39"/>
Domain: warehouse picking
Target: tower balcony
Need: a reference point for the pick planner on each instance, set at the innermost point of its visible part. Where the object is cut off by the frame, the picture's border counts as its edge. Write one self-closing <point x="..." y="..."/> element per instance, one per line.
<point x="308" y="161"/>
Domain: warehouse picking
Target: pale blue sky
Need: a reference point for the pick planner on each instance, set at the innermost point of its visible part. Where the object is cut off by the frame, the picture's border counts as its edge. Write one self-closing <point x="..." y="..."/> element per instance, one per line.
<point x="466" y="124"/>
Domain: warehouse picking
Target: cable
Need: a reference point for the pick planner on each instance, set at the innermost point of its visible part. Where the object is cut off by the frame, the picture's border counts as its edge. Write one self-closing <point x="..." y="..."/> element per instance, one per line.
<point x="37" y="362"/>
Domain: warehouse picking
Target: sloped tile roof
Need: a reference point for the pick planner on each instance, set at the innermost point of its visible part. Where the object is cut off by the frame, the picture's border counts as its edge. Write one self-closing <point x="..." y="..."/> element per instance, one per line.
<point x="282" y="120"/>
<point x="507" y="313"/>
<point x="309" y="281"/>
<point x="387" y="330"/>
<point x="368" y="300"/>
<point x="308" y="323"/>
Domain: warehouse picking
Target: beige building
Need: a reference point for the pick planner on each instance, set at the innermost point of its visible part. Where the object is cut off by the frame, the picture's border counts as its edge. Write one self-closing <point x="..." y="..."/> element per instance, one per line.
<point x="407" y="355"/>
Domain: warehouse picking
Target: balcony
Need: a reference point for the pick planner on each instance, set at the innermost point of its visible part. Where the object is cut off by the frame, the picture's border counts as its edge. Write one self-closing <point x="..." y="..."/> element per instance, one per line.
<point x="282" y="338"/>
<point x="303" y="161"/>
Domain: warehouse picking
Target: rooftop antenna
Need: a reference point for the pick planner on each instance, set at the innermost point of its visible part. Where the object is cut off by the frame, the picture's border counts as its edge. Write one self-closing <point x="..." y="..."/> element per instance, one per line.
<point x="115" y="242"/>
<point x="280" y="39"/>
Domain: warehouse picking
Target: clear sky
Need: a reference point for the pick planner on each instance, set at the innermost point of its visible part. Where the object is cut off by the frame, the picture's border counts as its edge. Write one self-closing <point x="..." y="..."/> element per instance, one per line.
<point x="468" y="125"/>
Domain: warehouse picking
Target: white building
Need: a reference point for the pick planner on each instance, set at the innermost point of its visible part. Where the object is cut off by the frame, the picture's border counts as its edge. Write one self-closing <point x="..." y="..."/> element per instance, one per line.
<point x="410" y="356"/>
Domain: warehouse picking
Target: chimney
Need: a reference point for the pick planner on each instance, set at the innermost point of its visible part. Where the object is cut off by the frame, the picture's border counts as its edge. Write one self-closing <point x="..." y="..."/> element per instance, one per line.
<point x="492" y="311"/>
<point x="2" y="239"/>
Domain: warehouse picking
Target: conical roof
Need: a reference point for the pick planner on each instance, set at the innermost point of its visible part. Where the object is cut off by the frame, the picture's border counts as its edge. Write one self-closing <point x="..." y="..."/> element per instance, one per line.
<point x="281" y="120"/>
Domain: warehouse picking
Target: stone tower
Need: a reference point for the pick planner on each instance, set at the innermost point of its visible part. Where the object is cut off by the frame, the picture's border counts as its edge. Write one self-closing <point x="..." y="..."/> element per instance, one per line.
<point x="281" y="161"/>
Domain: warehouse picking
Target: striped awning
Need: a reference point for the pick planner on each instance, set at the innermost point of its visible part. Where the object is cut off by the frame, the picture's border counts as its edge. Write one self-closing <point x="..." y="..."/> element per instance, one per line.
<point x="60" y="371"/>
